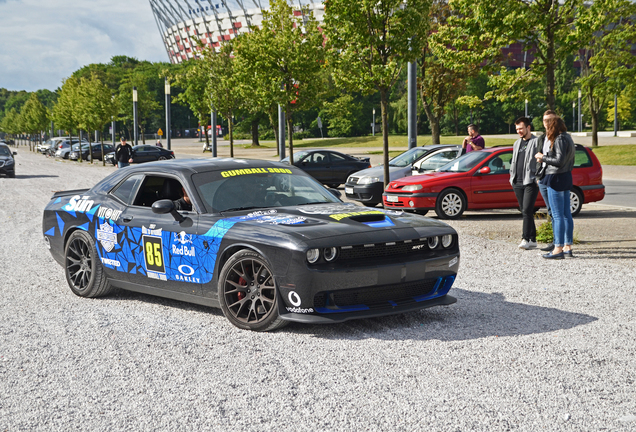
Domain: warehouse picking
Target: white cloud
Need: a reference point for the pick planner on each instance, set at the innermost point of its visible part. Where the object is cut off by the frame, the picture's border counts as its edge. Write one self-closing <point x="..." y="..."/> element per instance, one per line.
<point x="45" y="42"/>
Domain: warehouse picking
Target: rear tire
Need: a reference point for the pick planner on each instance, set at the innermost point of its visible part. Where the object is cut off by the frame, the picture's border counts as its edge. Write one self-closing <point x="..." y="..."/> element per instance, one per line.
<point x="576" y="201"/>
<point x="450" y="204"/>
<point x="84" y="272"/>
<point x="248" y="293"/>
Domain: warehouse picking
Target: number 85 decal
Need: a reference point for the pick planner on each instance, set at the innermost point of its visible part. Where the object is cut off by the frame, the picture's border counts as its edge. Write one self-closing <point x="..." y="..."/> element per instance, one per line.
<point x="153" y="253"/>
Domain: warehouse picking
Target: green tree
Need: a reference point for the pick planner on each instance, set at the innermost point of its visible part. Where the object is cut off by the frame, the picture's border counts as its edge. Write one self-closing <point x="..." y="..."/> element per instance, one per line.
<point x="65" y="111"/>
<point x="147" y="99"/>
<point x="35" y="117"/>
<point x="369" y="42"/>
<point x="607" y="63"/>
<point x="97" y="107"/>
<point x="287" y="52"/>
<point x="11" y="123"/>
<point x="221" y="85"/>
<point x="624" y="110"/>
<point x="544" y="26"/>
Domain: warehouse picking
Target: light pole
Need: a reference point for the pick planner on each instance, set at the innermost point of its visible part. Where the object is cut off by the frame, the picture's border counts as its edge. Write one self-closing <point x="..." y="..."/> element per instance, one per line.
<point x="580" y="125"/>
<point x="573" y="115"/>
<point x="615" y="115"/>
<point x="213" y="130"/>
<point x="167" y="89"/>
<point x="281" y="132"/>
<point x="526" y="111"/>
<point x="412" y="104"/>
<point x="373" y="124"/>
<point x="135" y="114"/>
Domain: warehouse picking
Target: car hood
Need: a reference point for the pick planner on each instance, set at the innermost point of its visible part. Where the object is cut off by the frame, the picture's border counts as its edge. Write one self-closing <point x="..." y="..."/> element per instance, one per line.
<point x="378" y="171"/>
<point x="3" y="157"/>
<point x="351" y="224"/>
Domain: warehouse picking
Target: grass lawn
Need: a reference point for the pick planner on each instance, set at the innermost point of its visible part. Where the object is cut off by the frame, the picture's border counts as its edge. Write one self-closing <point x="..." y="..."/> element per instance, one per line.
<point x="395" y="141"/>
<point x="616" y="154"/>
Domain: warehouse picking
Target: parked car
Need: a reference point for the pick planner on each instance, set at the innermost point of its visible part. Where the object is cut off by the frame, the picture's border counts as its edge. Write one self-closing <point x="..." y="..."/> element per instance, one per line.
<point x="367" y="186"/>
<point x="97" y="151"/>
<point x="327" y="166"/>
<point x="49" y="144"/>
<point x="7" y="162"/>
<point x="63" y="148"/>
<point x="480" y="180"/>
<point x="263" y="241"/>
<point x="144" y="153"/>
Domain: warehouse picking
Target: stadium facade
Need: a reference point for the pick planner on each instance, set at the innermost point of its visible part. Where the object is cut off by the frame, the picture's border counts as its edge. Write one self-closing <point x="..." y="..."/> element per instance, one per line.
<point x="183" y="22"/>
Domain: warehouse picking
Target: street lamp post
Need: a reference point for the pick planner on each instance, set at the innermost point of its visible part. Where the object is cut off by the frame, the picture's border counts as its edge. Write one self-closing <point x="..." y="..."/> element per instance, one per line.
<point x="213" y="130"/>
<point x="615" y="115"/>
<point x="573" y="115"/>
<point x="580" y="125"/>
<point x="281" y="132"/>
<point x="412" y="104"/>
<point x="135" y="114"/>
<point x="167" y="89"/>
<point x="526" y="111"/>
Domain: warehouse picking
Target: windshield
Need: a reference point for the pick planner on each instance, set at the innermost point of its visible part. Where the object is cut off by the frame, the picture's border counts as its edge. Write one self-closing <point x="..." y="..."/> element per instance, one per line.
<point x="4" y="151"/>
<point x="297" y="156"/>
<point x="408" y="157"/>
<point x="258" y="188"/>
<point x="465" y="163"/>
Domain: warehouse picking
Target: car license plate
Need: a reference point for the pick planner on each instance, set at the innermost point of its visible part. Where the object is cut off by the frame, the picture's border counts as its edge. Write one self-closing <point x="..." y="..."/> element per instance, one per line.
<point x="349" y="191"/>
<point x="392" y="198"/>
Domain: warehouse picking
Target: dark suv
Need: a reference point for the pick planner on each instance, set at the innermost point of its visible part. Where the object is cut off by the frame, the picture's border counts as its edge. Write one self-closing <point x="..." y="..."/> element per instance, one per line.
<point x="7" y="162"/>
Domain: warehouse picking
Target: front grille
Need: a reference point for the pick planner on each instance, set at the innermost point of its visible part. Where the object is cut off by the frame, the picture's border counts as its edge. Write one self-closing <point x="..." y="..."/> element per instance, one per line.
<point x="1" y="163"/>
<point x="380" y="250"/>
<point x="354" y="180"/>
<point x="376" y="297"/>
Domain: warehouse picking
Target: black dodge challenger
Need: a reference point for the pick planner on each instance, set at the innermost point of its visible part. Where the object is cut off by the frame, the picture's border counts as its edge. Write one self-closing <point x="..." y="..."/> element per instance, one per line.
<point x="263" y="241"/>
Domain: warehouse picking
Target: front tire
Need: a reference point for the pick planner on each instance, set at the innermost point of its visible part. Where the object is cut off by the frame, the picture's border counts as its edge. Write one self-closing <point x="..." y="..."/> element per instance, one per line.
<point x="576" y="201"/>
<point x="84" y="272"/>
<point x="162" y="158"/>
<point x="450" y="204"/>
<point x="248" y="294"/>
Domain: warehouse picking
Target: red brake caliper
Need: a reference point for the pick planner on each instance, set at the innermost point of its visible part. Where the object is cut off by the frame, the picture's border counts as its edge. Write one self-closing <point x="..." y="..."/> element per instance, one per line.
<point x="242" y="282"/>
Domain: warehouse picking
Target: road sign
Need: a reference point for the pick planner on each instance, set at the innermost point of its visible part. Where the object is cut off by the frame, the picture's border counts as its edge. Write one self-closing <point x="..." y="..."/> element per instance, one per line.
<point x="160" y="132"/>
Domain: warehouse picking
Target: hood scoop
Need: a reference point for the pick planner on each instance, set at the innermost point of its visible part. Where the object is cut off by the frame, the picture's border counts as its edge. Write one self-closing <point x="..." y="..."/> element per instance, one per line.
<point x="365" y="218"/>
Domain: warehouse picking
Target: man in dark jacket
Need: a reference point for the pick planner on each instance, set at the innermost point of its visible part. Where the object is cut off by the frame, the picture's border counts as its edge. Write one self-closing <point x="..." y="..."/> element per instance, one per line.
<point x="123" y="154"/>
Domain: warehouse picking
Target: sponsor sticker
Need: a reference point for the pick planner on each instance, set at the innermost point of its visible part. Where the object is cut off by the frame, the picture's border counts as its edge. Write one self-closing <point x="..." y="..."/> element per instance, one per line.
<point x="79" y="204"/>
<point x="294" y="298"/>
<point x="246" y="171"/>
<point x="111" y="262"/>
<point x="182" y="237"/>
<point x="106" y="236"/>
<point x="108" y="213"/>
<point x="299" y="310"/>
<point x="153" y="253"/>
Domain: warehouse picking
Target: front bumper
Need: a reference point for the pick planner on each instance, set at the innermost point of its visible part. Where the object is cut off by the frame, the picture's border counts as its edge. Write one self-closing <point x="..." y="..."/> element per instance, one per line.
<point x="414" y="201"/>
<point x="7" y="169"/>
<point x="367" y="194"/>
<point x="337" y="295"/>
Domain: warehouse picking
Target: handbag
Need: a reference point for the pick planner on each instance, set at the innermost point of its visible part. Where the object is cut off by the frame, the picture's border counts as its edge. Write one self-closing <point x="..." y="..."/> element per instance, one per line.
<point x="541" y="172"/>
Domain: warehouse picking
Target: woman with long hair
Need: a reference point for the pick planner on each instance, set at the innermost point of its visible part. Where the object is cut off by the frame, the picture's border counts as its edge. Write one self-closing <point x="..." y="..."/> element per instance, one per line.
<point x="558" y="179"/>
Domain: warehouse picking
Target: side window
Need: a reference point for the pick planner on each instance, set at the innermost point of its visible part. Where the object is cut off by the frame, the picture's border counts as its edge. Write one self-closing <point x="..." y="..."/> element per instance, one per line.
<point x="156" y="188"/>
<point x="125" y="189"/>
<point x="582" y="159"/>
<point x="500" y="164"/>
<point x="336" y="158"/>
<point x="318" y="158"/>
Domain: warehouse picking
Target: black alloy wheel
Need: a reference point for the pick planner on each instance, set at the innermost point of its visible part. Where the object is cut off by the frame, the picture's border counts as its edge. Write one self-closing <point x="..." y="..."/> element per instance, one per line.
<point x="84" y="273"/>
<point x="248" y="293"/>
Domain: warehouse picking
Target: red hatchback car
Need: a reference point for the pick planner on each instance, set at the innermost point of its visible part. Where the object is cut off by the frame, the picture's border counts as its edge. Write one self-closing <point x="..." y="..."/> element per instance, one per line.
<point x="481" y="180"/>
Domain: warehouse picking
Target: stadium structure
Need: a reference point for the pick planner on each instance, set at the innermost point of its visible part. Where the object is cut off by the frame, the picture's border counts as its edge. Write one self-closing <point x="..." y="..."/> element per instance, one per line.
<point x="182" y="22"/>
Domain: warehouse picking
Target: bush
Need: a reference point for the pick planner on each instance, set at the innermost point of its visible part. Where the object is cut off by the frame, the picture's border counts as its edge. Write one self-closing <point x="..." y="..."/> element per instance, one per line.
<point x="302" y="135"/>
<point x="544" y="232"/>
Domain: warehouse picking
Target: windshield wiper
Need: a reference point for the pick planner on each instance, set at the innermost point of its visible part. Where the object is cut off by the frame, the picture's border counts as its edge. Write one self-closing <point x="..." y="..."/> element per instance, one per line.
<point x="240" y="208"/>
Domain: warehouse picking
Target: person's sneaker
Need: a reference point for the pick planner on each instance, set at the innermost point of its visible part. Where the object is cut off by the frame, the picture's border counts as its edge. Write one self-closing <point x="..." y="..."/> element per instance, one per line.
<point x="527" y="244"/>
<point x="548" y="248"/>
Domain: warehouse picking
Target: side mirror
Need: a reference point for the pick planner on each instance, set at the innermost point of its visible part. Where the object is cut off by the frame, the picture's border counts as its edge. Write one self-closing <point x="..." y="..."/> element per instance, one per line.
<point x="485" y="170"/>
<point x="15" y="153"/>
<point x="165" y="206"/>
<point x="335" y="192"/>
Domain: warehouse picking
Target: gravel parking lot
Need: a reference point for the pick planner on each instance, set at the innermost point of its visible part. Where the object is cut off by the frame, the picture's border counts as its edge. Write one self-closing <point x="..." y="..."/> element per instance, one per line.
<point x="530" y="345"/>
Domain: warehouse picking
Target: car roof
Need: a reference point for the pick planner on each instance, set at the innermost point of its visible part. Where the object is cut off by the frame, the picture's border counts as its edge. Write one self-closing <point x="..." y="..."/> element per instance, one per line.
<point x="207" y="164"/>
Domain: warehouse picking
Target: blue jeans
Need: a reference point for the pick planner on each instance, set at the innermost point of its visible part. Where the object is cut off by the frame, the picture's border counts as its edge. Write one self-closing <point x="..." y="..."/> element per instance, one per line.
<point x="562" y="223"/>
<point x="122" y="164"/>
<point x="544" y="194"/>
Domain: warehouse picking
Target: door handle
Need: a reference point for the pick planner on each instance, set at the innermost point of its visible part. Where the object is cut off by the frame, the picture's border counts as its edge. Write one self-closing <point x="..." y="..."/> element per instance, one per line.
<point x="127" y="219"/>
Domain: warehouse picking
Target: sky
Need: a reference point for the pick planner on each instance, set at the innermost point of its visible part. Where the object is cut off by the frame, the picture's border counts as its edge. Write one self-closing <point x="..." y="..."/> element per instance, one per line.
<point x="42" y="42"/>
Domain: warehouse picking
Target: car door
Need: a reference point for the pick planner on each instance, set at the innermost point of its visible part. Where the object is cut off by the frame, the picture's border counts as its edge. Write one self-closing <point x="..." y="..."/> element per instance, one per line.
<point x="493" y="190"/>
<point x="163" y="252"/>
<point x="315" y="164"/>
<point x="339" y="167"/>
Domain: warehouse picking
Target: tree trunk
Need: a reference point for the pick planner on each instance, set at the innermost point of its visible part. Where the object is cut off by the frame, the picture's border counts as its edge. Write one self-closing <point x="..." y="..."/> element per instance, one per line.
<point x="384" y="104"/>
<point x="230" y="129"/>
<point x="79" y="143"/>
<point x="456" y="119"/>
<point x="290" y="128"/>
<point x="433" y="121"/>
<point x="102" y="142"/>
<point x="90" y="149"/>
<point x="143" y="134"/>
<point x="207" y="137"/>
<point x="594" y="114"/>
<point x="255" y="133"/>
<point x="274" y="125"/>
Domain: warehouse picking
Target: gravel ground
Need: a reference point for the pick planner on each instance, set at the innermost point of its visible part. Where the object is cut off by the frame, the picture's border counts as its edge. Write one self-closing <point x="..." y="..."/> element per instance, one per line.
<point x="530" y="345"/>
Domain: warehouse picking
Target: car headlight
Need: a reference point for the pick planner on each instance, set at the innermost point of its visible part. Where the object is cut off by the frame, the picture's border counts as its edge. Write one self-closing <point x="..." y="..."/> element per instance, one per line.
<point x="313" y="255"/>
<point x="368" y="180"/>
<point x="447" y="241"/>
<point x="411" y="188"/>
<point x="9" y="162"/>
<point x="433" y="242"/>
<point x="330" y="254"/>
